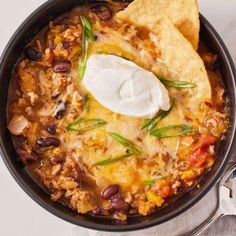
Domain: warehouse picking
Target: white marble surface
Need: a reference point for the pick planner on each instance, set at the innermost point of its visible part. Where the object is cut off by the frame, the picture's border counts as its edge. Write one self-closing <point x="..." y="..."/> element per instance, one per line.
<point x="21" y="216"/>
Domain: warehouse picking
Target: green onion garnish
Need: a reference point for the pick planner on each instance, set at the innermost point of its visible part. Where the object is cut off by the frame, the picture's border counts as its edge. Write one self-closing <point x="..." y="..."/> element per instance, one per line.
<point x="87" y="102"/>
<point x="178" y="83"/>
<point x="133" y="148"/>
<point x="172" y="131"/>
<point x="149" y="182"/>
<point x="88" y="28"/>
<point x="150" y="124"/>
<point x="82" y="125"/>
<point x="112" y="160"/>
<point x="87" y="36"/>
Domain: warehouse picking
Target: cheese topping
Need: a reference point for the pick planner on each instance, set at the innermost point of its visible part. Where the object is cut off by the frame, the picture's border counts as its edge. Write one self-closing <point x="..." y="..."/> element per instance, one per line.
<point x="124" y="87"/>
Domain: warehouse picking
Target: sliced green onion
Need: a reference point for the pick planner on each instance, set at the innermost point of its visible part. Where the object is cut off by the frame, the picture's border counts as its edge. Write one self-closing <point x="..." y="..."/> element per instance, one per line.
<point x="172" y="131"/>
<point x="149" y="182"/>
<point x="112" y="160"/>
<point x="87" y="26"/>
<point x="87" y="36"/>
<point x="82" y="125"/>
<point x="133" y="148"/>
<point x="87" y="102"/>
<point x="178" y="83"/>
<point x="83" y="58"/>
<point x="150" y="124"/>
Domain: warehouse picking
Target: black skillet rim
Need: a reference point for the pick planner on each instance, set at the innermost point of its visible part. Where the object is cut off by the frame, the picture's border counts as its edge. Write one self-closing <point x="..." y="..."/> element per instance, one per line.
<point x="138" y="226"/>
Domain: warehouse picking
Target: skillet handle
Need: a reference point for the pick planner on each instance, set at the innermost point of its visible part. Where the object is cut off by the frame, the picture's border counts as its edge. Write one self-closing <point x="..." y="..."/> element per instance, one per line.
<point x="207" y="223"/>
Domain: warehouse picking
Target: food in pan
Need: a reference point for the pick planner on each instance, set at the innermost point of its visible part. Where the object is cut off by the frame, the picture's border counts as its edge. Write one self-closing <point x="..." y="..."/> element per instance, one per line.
<point x="114" y="115"/>
<point x="183" y="14"/>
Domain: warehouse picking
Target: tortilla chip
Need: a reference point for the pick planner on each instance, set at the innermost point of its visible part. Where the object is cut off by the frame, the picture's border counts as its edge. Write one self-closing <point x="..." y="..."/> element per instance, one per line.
<point x="182" y="13"/>
<point x="164" y="51"/>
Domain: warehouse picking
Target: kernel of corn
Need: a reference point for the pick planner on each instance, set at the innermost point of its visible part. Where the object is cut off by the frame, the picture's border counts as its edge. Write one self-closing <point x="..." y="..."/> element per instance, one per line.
<point x="188" y="175"/>
<point x="154" y="198"/>
<point x="57" y="40"/>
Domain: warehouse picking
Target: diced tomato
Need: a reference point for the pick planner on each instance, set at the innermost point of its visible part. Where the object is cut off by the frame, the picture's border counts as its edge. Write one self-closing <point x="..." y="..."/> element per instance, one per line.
<point x="200" y="153"/>
<point x="163" y="188"/>
<point x="206" y="141"/>
<point x="198" y="158"/>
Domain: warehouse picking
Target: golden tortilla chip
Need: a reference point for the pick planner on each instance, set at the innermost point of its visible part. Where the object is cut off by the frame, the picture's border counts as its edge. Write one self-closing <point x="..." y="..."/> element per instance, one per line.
<point x="163" y="50"/>
<point x="182" y="13"/>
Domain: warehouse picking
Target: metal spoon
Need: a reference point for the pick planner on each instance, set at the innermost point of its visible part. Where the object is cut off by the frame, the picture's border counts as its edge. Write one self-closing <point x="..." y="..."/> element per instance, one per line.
<point x="226" y="202"/>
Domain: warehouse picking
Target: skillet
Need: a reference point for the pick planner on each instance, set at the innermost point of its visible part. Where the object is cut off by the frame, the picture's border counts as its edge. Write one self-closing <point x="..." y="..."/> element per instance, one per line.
<point x="29" y="28"/>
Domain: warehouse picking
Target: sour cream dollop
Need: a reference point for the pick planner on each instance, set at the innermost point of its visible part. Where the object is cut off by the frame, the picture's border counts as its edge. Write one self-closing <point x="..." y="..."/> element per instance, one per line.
<point x="123" y="87"/>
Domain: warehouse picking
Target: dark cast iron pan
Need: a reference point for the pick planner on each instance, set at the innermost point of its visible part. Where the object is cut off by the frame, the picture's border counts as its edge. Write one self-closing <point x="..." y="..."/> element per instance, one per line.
<point x="29" y="28"/>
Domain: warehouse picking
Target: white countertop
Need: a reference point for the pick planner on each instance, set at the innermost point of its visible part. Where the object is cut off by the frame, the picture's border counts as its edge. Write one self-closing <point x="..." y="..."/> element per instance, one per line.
<point x="21" y="216"/>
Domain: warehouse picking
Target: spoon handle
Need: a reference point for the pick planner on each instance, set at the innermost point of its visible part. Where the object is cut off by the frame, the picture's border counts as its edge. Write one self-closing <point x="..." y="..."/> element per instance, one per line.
<point x="207" y="223"/>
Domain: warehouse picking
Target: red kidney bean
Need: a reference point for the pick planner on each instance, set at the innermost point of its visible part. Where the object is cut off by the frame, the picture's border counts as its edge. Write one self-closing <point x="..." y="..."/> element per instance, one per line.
<point x="110" y="191"/>
<point x="61" y="66"/>
<point x="66" y="44"/>
<point x="119" y="205"/>
<point x="48" y="142"/>
<point x="33" y="54"/>
<point x="102" y="11"/>
<point x="51" y="129"/>
<point x="25" y="156"/>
